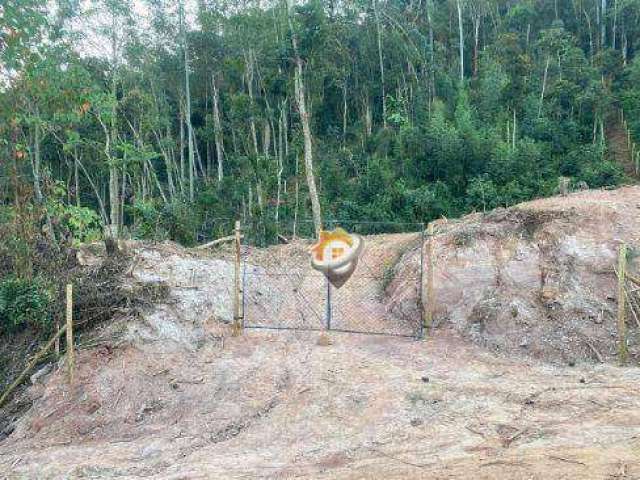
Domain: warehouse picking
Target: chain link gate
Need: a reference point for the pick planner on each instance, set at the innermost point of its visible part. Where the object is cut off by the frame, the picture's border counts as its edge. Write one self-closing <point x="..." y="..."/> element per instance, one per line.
<point x="282" y="291"/>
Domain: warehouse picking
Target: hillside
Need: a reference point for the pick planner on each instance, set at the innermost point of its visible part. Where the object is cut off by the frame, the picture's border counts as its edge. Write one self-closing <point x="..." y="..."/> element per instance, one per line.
<point x="505" y="386"/>
<point x="537" y="279"/>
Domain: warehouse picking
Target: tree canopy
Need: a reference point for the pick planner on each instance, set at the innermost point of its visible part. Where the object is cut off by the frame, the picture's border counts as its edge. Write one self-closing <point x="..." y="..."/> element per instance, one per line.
<point x="150" y="118"/>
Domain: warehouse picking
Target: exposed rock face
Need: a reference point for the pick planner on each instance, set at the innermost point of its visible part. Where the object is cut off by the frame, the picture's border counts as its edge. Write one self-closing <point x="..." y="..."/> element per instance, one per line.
<point x="537" y="278"/>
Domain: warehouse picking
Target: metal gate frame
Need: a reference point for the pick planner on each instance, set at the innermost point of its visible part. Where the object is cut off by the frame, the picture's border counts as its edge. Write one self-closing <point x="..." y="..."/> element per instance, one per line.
<point x="327" y="293"/>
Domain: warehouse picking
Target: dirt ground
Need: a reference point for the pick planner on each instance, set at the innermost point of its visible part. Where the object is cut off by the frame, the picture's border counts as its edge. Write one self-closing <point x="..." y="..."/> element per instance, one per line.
<point x="537" y="280"/>
<point x="277" y="405"/>
<point x="505" y="387"/>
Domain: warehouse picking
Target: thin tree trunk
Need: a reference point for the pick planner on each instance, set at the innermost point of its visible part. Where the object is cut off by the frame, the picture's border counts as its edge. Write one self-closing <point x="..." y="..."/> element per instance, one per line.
<point x="591" y="51"/>
<point x="476" y="44"/>
<point x="37" y="161"/>
<point x="280" y="165"/>
<point x="199" y="163"/>
<point x="381" y="62"/>
<point x="183" y="170"/>
<point x="114" y="191"/>
<point x="266" y="138"/>
<point x="37" y="180"/>
<point x="306" y="130"/>
<point x="297" y="202"/>
<point x="514" y="128"/>
<point x="603" y="24"/>
<point x="429" y="7"/>
<point x="76" y="176"/>
<point x="248" y="58"/>
<point x="167" y="165"/>
<point x="344" y="113"/>
<point x="217" y="129"/>
<point x="114" y="201"/>
<point x="368" y="118"/>
<point x="461" y="38"/>
<point x="122" y="198"/>
<point x="544" y="85"/>
<point x="614" y="30"/>
<point x="187" y="91"/>
<point x="99" y="198"/>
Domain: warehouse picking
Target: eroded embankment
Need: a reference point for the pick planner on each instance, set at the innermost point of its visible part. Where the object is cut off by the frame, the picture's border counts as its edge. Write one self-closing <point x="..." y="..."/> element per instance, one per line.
<point x="537" y="279"/>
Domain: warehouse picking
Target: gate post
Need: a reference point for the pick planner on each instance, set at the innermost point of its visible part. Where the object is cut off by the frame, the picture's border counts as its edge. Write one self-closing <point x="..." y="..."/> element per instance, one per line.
<point x="429" y="313"/>
<point x="71" y="355"/>
<point x="622" y="320"/>
<point x="237" y="327"/>
<point x="421" y="284"/>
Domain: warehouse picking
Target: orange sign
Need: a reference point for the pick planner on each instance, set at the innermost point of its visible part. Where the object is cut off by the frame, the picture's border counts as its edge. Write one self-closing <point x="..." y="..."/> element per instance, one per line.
<point x="336" y="254"/>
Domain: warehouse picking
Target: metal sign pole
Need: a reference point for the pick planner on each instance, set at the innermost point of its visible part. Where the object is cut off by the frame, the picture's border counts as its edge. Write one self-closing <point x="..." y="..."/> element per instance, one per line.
<point x="328" y="313"/>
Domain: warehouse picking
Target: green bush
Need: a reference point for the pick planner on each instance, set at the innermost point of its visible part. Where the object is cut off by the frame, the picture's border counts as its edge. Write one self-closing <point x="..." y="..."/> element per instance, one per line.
<point x="602" y="174"/>
<point x="25" y="303"/>
<point x="79" y="224"/>
<point x="175" y="221"/>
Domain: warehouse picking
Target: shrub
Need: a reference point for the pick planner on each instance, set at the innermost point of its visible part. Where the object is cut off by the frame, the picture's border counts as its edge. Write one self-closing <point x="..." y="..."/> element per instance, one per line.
<point x="175" y="221"/>
<point x="83" y="223"/>
<point x="602" y="174"/>
<point x="77" y="224"/>
<point x="25" y="303"/>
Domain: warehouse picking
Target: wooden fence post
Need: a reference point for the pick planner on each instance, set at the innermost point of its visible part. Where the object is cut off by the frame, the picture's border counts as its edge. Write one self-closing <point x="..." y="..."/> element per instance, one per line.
<point x="237" y="305"/>
<point x="71" y="357"/>
<point x="622" y="321"/>
<point x="430" y="267"/>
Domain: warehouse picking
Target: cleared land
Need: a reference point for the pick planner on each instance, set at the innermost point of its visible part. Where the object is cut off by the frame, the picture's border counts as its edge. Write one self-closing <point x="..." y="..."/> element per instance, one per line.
<point x="280" y="406"/>
<point x="168" y="394"/>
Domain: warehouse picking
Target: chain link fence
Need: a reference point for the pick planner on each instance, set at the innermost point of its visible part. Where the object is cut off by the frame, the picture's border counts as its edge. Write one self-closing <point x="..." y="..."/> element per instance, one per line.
<point x="282" y="291"/>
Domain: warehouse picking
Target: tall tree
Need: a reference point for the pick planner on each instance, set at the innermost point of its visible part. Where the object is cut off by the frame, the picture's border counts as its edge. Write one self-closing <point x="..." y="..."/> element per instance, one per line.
<point x="301" y="102"/>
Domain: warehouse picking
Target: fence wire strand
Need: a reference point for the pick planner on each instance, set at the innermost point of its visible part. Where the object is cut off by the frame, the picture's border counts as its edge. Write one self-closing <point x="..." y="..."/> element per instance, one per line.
<point x="282" y="291"/>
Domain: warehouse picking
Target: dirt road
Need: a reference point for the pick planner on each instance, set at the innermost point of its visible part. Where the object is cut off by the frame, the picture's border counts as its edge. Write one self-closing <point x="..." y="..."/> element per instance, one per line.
<point x="280" y="406"/>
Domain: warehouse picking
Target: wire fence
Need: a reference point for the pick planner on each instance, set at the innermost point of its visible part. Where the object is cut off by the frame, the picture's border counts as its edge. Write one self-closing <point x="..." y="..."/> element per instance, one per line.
<point x="282" y="291"/>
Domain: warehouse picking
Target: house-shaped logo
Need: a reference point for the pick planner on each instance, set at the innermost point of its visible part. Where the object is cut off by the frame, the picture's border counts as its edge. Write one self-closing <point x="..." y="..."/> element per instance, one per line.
<point x="336" y="255"/>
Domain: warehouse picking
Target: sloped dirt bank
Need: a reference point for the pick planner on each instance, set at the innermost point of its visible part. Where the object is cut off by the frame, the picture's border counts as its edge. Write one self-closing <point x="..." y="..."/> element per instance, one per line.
<point x="537" y="279"/>
<point x="168" y="394"/>
<point x="277" y="405"/>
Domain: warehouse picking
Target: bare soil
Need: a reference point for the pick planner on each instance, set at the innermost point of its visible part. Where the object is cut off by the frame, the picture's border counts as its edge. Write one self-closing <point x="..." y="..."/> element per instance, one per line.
<point x="537" y="280"/>
<point x="169" y="394"/>
<point x="276" y="405"/>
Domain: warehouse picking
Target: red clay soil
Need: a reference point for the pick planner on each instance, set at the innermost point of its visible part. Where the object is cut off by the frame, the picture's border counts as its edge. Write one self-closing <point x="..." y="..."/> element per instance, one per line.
<point x="491" y="394"/>
<point x="277" y="405"/>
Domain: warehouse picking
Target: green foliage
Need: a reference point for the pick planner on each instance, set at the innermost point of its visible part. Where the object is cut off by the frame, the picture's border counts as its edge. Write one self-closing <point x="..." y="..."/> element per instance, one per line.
<point x="602" y="174"/>
<point x="25" y="304"/>
<point x="83" y="223"/>
<point x="77" y="224"/>
<point x="540" y="98"/>
<point x="482" y="194"/>
<point x="177" y="221"/>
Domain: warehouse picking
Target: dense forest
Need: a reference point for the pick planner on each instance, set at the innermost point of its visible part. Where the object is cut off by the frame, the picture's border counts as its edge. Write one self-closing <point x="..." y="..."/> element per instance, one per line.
<point x="149" y="118"/>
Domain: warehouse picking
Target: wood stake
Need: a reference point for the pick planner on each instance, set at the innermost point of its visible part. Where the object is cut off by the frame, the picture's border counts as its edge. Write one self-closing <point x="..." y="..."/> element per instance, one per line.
<point x="71" y="357"/>
<point x="430" y="267"/>
<point x="237" y="326"/>
<point x="219" y="241"/>
<point x="622" y="324"/>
